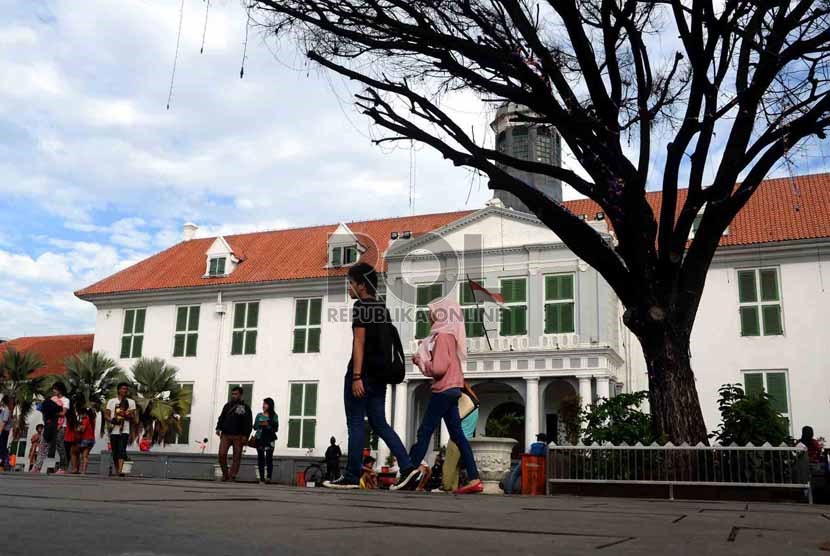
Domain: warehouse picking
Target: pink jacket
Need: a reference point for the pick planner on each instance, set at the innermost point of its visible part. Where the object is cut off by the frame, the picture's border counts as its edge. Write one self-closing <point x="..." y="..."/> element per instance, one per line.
<point x="444" y="367"/>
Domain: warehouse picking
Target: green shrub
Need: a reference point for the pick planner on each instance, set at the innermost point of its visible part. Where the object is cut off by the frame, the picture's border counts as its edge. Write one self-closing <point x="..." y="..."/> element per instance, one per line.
<point x="749" y="419"/>
<point x="618" y="420"/>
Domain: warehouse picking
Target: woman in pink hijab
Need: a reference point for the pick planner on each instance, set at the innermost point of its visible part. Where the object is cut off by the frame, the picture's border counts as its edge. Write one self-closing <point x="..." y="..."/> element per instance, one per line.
<point x="441" y="357"/>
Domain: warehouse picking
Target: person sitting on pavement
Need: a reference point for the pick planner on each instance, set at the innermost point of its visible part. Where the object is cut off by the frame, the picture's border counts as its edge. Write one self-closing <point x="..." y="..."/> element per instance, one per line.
<point x="540" y="447"/>
<point x="369" y="477"/>
<point x="812" y="445"/>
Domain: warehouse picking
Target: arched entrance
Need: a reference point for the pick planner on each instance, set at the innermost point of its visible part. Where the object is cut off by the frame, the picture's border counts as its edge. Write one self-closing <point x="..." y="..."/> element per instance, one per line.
<point x="502" y="411"/>
<point x="560" y="410"/>
<point x="508" y="421"/>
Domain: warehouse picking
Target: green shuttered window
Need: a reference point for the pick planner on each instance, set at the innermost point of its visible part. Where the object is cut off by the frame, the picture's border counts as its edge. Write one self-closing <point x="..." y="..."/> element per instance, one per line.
<point x="473" y="315"/>
<point x="183" y="437"/>
<point x="759" y="297"/>
<point x="187" y="331"/>
<point x="774" y="383"/>
<point x="132" y="338"/>
<point x="424" y="296"/>
<point x="245" y="322"/>
<point x="514" y="315"/>
<point x="344" y="255"/>
<point x="307" y="319"/>
<point x="559" y="304"/>
<point x="217" y="266"/>
<point x="302" y="415"/>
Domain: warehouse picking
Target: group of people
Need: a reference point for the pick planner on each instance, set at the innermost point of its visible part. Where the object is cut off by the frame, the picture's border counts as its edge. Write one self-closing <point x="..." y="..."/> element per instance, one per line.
<point x="441" y="357"/>
<point x="234" y="428"/>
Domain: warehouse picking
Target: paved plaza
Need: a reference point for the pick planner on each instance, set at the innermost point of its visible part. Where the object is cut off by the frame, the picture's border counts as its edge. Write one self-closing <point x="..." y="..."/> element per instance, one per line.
<point x="80" y="515"/>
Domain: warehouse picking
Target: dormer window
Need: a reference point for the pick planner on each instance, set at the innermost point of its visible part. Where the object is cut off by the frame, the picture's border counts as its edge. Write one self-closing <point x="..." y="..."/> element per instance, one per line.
<point x="220" y="259"/>
<point x="217" y="266"/>
<point x="696" y="224"/>
<point x="344" y="255"/>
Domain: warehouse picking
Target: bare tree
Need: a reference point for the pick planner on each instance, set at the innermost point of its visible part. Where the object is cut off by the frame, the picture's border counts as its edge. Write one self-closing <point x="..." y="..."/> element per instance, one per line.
<point x="753" y="72"/>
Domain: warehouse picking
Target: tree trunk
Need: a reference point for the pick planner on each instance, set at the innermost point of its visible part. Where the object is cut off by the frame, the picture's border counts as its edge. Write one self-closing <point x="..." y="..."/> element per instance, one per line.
<point x="675" y="406"/>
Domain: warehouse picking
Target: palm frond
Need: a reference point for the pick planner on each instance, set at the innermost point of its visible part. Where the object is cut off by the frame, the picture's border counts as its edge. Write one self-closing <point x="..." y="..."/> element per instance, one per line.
<point x="160" y="399"/>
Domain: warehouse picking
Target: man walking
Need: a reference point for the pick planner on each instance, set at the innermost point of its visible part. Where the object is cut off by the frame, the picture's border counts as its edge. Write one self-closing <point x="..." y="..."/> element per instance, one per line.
<point x="6" y="424"/>
<point x="333" y="455"/>
<point x="233" y="429"/>
<point x="364" y="398"/>
<point x="120" y="414"/>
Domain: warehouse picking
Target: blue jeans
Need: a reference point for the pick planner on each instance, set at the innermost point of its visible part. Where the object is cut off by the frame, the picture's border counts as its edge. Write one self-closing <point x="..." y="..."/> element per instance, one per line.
<point x="373" y="406"/>
<point x="444" y="405"/>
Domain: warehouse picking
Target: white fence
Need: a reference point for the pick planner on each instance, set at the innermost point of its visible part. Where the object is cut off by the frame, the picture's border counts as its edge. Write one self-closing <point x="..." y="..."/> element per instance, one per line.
<point x="737" y="466"/>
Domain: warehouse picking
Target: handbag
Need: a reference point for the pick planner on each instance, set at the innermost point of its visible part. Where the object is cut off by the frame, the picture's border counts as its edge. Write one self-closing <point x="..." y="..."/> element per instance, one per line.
<point x="252" y="441"/>
<point x="468" y="402"/>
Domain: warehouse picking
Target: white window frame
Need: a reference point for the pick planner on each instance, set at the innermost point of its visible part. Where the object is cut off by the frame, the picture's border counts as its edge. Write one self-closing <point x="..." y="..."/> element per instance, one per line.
<point x="764" y="373"/>
<point x="508" y="305"/>
<point x="187" y="331"/>
<point x="245" y="328"/>
<point x="302" y="418"/>
<point x="477" y="307"/>
<point x="759" y="303"/>
<point x="217" y="274"/>
<point x="424" y="308"/>
<point x="132" y="334"/>
<point x="307" y="327"/>
<point x="571" y="301"/>
<point x="188" y="416"/>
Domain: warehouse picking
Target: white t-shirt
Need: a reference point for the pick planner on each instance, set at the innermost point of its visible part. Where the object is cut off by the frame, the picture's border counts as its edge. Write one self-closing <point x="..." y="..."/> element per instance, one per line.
<point x="123" y="428"/>
<point x="62" y="401"/>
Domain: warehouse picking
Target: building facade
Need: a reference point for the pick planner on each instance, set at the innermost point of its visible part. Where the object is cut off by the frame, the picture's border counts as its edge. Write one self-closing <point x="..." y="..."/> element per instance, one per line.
<point x="269" y="311"/>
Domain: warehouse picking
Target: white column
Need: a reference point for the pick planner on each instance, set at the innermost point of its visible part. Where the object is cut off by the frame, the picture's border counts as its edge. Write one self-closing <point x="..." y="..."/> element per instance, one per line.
<point x="531" y="410"/>
<point x="585" y="398"/>
<point x="603" y="387"/>
<point x="383" y="449"/>
<point x="401" y="405"/>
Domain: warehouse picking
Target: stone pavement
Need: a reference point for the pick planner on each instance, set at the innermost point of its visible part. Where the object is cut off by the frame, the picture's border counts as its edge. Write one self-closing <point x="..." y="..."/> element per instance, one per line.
<point x="90" y="516"/>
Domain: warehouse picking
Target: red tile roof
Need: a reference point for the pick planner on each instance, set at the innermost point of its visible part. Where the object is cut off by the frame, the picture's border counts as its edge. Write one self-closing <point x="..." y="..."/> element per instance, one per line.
<point x="268" y="256"/>
<point x="782" y="209"/>
<point x="53" y="350"/>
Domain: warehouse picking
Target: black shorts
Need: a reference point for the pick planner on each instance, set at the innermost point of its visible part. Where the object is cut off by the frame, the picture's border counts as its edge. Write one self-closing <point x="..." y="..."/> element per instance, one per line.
<point x="118" y="442"/>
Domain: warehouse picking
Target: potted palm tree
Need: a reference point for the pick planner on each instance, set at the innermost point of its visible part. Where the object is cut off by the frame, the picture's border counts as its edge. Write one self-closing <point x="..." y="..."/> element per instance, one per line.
<point x="160" y="399"/>
<point x="18" y="378"/>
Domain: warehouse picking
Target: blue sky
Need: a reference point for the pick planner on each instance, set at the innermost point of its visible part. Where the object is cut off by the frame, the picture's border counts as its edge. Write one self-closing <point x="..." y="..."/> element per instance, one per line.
<point x="96" y="174"/>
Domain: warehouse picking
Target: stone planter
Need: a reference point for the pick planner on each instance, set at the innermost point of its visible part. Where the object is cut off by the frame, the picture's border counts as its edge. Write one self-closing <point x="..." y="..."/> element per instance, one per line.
<point x="492" y="457"/>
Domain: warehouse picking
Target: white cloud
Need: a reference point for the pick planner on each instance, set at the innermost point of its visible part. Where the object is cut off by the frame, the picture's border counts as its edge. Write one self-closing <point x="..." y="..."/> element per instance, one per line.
<point x="48" y="267"/>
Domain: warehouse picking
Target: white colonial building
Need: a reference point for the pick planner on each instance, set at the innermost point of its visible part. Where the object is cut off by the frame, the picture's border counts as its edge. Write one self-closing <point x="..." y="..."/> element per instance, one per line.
<point x="268" y="311"/>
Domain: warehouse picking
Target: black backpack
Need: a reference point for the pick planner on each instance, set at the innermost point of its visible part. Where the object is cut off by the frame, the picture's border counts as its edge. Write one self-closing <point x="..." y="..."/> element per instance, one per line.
<point x="393" y="367"/>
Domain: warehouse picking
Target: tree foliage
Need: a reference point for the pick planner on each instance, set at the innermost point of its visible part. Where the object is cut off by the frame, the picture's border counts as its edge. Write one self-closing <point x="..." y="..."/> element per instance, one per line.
<point x="618" y="420"/>
<point x="749" y="418"/>
<point x="92" y="375"/>
<point x="161" y="401"/>
<point x="679" y="89"/>
<point x="17" y="379"/>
